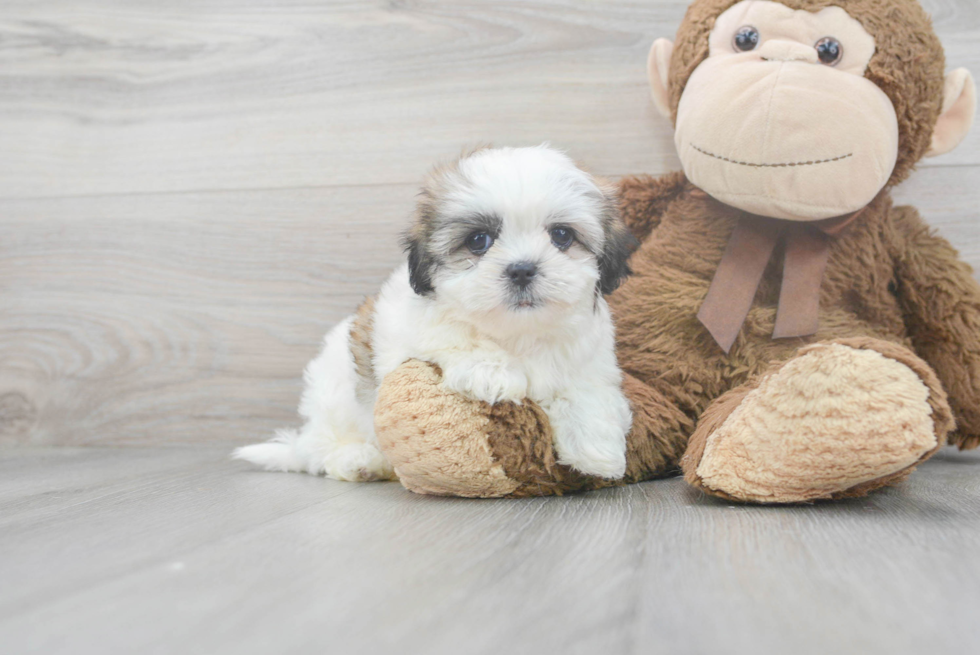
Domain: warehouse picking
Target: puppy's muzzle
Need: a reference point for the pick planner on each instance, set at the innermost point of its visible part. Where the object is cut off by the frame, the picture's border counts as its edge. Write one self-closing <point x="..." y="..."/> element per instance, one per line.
<point x="521" y="274"/>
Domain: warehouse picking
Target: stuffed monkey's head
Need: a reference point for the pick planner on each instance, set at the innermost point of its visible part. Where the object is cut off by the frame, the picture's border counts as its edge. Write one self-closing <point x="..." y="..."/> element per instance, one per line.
<point x="807" y="109"/>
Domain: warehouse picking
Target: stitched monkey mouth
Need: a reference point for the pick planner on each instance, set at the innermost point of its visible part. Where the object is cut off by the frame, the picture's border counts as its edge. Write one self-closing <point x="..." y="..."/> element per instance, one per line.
<point x="785" y="165"/>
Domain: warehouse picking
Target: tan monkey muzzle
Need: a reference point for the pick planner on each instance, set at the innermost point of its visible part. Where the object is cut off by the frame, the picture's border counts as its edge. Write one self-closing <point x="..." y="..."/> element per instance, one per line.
<point x="775" y="133"/>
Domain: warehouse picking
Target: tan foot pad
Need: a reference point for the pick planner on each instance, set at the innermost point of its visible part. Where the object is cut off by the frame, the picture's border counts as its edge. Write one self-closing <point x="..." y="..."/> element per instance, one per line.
<point x="831" y="419"/>
<point x="435" y="439"/>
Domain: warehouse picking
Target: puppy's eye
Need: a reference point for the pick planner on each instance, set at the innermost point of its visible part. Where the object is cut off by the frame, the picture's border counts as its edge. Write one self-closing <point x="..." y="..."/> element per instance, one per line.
<point x="479" y="242"/>
<point x="746" y="39"/>
<point x="562" y="237"/>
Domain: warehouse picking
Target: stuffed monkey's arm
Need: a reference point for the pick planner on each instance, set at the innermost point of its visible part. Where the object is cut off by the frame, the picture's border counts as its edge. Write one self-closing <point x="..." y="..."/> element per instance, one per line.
<point x="439" y="442"/>
<point x="941" y="301"/>
<point x="644" y="199"/>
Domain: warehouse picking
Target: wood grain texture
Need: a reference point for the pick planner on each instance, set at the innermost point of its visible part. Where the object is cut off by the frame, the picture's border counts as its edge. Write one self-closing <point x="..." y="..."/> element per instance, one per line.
<point x="136" y="319"/>
<point x="193" y="192"/>
<point x="112" y="97"/>
<point x="180" y="551"/>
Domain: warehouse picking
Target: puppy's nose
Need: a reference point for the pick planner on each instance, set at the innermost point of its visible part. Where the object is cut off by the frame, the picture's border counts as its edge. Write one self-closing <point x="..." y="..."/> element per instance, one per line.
<point x="522" y="273"/>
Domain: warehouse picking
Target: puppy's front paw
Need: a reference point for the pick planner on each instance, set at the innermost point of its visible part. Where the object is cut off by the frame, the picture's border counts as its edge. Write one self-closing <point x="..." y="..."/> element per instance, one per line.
<point x="489" y="379"/>
<point x="590" y="433"/>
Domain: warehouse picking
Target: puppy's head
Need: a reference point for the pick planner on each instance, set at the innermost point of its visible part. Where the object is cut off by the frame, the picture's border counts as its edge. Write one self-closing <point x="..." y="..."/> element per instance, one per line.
<point x="516" y="231"/>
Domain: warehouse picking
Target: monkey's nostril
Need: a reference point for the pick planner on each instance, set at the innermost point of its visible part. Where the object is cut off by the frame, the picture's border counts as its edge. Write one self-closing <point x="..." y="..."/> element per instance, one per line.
<point x="521" y="273"/>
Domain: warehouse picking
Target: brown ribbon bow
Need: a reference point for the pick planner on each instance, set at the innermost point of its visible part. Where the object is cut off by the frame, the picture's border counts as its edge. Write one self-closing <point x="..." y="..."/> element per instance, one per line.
<point x="740" y="272"/>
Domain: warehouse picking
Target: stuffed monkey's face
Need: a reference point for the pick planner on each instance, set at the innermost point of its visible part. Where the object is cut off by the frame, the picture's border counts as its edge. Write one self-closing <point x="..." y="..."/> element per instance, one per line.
<point x="780" y="121"/>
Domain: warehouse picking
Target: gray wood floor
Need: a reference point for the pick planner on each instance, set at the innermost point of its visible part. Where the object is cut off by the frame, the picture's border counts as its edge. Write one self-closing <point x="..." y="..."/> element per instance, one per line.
<point x="192" y="192"/>
<point x="108" y="550"/>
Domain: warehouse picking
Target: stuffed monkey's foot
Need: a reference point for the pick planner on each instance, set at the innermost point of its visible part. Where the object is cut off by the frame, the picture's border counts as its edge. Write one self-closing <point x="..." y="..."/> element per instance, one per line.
<point x="838" y="420"/>
<point x="437" y="439"/>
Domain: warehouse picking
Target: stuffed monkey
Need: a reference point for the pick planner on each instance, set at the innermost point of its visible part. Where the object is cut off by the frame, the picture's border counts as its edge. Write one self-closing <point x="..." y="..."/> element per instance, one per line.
<point x="788" y="334"/>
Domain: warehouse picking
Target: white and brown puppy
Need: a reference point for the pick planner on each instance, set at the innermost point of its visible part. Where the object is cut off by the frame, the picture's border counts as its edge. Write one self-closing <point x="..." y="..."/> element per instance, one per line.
<point x="509" y="257"/>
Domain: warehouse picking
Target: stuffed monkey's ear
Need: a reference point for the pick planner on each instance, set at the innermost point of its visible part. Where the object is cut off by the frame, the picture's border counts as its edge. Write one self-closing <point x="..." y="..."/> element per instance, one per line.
<point x="658" y="72"/>
<point x="959" y="108"/>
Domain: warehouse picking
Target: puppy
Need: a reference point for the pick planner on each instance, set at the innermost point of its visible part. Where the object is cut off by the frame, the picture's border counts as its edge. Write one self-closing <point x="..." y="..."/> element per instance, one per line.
<point x="509" y="256"/>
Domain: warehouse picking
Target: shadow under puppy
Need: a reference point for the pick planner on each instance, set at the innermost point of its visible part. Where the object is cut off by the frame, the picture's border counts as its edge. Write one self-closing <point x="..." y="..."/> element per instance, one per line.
<point x="509" y="257"/>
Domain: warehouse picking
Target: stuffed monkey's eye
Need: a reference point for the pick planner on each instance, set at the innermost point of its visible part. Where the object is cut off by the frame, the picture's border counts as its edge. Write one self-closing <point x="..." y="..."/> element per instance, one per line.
<point x="746" y="39"/>
<point x="562" y="237"/>
<point x="829" y="50"/>
<point x="479" y="242"/>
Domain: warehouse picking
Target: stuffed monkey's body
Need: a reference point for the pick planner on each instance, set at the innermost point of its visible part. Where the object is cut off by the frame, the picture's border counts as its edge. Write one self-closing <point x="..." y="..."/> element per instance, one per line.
<point x="890" y="286"/>
<point x="818" y="347"/>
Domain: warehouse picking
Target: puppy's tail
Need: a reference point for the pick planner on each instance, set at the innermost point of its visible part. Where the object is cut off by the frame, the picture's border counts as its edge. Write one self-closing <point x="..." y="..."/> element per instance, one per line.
<point x="279" y="454"/>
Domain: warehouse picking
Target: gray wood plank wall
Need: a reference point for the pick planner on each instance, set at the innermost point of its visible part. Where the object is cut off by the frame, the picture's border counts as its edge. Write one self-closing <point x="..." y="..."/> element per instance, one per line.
<point x="192" y="192"/>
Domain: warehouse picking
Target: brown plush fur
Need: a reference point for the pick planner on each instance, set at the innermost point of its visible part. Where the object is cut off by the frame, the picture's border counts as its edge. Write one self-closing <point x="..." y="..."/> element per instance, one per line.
<point x="940" y="301"/>
<point x="908" y="64"/>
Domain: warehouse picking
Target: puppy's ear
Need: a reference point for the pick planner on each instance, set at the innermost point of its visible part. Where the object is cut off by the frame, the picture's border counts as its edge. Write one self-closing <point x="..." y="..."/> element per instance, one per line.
<point x="420" y="264"/>
<point x="619" y="244"/>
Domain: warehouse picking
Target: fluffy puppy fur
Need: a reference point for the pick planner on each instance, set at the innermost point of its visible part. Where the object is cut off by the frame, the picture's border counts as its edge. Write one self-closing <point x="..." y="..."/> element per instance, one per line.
<point x="509" y="256"/>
